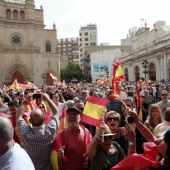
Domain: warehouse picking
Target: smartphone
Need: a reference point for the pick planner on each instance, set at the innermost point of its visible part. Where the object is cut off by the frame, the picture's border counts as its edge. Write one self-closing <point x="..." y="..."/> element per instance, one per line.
<point x="129" y="119"/>
<point x="36" y="96"/>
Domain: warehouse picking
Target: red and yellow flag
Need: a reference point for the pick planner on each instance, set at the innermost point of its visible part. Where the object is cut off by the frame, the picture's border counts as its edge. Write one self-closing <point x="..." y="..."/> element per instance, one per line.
<point x="93" y="110"/>
<point x="63" y="119"/>
<point x="140" y="114"/>
<point x="116" y="79"/>
<point x="53" y="77"/>
<point x="101" y="82"/>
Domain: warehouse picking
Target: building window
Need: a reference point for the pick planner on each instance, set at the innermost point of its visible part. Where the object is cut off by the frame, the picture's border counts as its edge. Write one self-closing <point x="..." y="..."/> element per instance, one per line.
<point x="15" y="14"/>
<point x="22" y="15"/>
<point x="86" y="33"/>
<point x="80" y="39"/>
<point x="80" y="34"/>
<point x="8" y="13"/>
<point x="86" y="44"/>
<point x="86" y="39"/>
<point x="48" y="46"/>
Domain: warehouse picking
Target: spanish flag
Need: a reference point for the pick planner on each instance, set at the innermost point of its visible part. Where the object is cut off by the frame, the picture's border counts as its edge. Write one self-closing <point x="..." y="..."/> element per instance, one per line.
<point x="101" y="82"/>
<point x="140" y="114"/>
<point x="53" y="77"/>
<point x="116" y="79"/>
<point x="93" y="110"/>
<point x="63" y="119"/>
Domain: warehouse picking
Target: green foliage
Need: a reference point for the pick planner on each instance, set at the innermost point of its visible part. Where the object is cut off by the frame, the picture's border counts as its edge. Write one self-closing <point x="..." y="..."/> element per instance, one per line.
<point x="72" y="71"/>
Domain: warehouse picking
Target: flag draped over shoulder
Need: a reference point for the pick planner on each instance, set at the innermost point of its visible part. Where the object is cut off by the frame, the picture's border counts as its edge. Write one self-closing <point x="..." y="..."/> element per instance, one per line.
<point x="93" y="110"/>
<point x="140" y="161"/>
<point x="116" y="79"/>
<point x="140" y="114"/>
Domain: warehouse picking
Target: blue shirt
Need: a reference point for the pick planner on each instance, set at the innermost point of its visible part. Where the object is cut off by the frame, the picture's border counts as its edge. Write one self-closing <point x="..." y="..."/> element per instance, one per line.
<point x="16" y="159"/>
<point x="116" y="106"/>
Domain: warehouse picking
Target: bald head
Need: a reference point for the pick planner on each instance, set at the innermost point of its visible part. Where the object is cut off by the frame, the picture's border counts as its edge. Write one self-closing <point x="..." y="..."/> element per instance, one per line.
<point x="6" y="130"/>
<point x="37" y="117"/>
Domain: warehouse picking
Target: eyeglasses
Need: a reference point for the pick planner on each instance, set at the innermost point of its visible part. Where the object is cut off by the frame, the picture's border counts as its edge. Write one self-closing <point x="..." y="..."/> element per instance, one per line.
<point x="163" y="94"/>
<point x="109" y="119"/>
<point x="108" y="137"/>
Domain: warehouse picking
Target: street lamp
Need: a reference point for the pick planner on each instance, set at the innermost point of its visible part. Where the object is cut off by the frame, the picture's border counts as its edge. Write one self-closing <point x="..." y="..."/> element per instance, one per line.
<point x="107" y="74"/>
<point x="145" y="65"/>
<point x="43" y="77"/>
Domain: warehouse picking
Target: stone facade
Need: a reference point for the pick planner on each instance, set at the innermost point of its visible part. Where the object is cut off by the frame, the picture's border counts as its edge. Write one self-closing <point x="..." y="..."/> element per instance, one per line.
<point x="27" y="49"/>
<point x="151" y="45"/>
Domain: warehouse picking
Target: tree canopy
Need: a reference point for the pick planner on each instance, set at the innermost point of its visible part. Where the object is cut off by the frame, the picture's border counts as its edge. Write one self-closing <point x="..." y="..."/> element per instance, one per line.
<point x="72" y="71"/>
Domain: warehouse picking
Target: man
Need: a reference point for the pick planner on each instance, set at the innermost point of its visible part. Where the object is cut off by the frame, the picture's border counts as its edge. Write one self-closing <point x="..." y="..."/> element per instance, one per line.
<point x="148" y="98"/>
<point x="12" y="156"/>
<point x="69" y="95"/>
<point x="164" y="103"/>
<point x="123" y="95"/>
<point x="80" y="105"/>
<point x="161" y="128"/>
<point x="72" y="142"/>
<point x="38" y="140"/>
<point x="3" y="107"/>
<point x="114" y="104"/>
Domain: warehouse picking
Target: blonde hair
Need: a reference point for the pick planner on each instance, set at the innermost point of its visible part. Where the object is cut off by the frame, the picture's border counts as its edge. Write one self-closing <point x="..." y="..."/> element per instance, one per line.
<point x="112" y="113"/>
<point x="150" y="119"/>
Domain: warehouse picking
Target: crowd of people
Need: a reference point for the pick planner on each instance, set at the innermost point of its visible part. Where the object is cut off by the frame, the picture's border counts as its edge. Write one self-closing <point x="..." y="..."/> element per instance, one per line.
<point x="30" y="130"/>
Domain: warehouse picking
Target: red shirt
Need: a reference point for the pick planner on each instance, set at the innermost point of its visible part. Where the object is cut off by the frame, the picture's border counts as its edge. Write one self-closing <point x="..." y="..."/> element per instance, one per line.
<point x="75" y="147"/>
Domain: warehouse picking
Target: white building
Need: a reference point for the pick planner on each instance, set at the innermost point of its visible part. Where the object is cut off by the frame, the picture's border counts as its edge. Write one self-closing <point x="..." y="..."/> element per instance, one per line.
<point x="151" y="45"/>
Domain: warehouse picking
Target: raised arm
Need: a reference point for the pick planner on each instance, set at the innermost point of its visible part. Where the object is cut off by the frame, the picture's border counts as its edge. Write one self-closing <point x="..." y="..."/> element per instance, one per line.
<point x="146" y="133"/>
<point x="51" y="104"/>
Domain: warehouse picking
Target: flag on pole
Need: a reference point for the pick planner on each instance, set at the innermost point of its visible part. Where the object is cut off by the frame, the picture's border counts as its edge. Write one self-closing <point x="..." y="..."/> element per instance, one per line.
<point x="101" y="82"/>
<point x="93" y="110"/>
<point x="53" y="77"/>
<point x="140" y="113"/>
<point x="63" y="119"/>
<point x="116" y="79"/>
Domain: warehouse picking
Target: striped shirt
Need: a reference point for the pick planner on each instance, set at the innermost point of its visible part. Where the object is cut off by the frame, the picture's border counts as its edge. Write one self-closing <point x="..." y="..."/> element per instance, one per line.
<point x="38" y="141"/>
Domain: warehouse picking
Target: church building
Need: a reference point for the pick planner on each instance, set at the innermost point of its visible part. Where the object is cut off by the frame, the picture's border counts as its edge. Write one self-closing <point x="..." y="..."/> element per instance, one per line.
<point x="28" y="51"/>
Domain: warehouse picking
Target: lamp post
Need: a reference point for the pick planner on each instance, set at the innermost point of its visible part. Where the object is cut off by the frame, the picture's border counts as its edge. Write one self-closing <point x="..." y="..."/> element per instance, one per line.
<point x="43" y="77"/>
<point x="145" y="65"/>
<point x="107" y="74"/>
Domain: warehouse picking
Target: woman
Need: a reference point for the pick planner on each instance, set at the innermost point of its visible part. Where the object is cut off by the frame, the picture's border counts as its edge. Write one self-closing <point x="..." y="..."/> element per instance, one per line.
<point x="112" y="120"/>
<point x="154" y="117"/>
<point x="104" y="153"/>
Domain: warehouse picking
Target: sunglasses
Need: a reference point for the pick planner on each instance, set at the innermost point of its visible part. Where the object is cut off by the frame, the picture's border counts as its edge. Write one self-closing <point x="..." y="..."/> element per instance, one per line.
<point x="163" y="94"/>
<point x="108" y="137"/>
<point x="55" y="97"/>
<point x="109" y="119"/>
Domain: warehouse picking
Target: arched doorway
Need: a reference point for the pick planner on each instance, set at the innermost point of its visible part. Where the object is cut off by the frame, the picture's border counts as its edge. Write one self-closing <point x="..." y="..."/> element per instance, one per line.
<point x="19" y="76"/>
<point x="137" y="73"/>
<point x="152" y="71"/>
<point x="49" y="80"/>
<point x="126" y="74"/>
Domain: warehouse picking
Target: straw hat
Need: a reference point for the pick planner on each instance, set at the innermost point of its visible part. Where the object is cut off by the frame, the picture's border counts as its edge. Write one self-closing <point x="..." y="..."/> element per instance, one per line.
<point x="107" y="132"/>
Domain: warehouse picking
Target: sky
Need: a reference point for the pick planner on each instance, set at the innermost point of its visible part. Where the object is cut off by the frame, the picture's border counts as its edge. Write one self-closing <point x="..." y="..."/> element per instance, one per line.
<point x="112" y="17"/>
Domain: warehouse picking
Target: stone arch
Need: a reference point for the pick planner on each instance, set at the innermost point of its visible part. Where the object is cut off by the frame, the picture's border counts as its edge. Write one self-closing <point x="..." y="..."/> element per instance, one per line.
<point x="15" y="14"/>
<point x="8" y="13"/>
<point x="168" y="70"/>
<point x="137" y="73"/>
<point x="49" y="80"/>
<point x="19" y="76"/>
<point x="10" y="70"/>
<point x="22" y="14"/>
<point x="152" y="71"/>
<point x="48" y="46"/>
<point x="126" y="74"/>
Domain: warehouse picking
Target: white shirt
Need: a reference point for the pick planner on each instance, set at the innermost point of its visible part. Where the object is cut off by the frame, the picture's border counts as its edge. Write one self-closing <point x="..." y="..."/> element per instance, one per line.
<point x="16" y="159"/>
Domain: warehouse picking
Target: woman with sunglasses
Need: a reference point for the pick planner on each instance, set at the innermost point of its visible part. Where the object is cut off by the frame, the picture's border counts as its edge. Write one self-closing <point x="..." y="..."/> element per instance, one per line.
<point x="112" y="120"/>
<point x="103" y="153"/>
